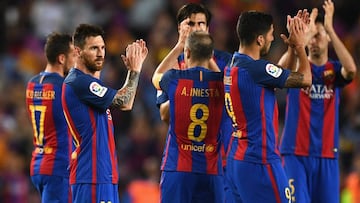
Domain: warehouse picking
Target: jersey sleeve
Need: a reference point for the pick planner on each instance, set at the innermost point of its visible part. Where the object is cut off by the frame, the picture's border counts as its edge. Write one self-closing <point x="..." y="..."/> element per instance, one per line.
<point x="162" y="95"/>
<point x="161" y="98"/>
<point x="340" y="81"/>
<point x="268" y="74"/>
<point x="93" y="92"/>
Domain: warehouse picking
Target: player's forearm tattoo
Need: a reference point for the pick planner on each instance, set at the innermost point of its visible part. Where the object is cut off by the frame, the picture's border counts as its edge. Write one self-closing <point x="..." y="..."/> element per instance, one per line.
<point x="294" y="80"/>
<point x="127" y="92"/>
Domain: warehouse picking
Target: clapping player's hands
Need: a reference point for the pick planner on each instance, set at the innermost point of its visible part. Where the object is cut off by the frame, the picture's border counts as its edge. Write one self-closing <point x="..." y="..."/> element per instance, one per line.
<point x="135" y="55"/>
<point x="297" y="28"/>
<point x="302" y="14"/>
<point x="311" y="27"/>
<point x="329" y="13"/>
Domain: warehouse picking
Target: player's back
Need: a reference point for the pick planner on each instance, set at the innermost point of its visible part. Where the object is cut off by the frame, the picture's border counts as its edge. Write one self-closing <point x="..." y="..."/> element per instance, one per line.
<point x="52" y="143"/>
<point x="196" y="98"/>
<point x="251" y="102"/>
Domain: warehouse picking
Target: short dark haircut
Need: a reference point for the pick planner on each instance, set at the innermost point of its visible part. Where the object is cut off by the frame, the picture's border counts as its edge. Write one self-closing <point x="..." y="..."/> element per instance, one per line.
<point x="84" y="31"/>
<point x="251" y="24"/>
<point x="192" y="8"/>
<point x="319" y="18"/>
<point x="201" y="45"/>
<point x="55" y="45"/>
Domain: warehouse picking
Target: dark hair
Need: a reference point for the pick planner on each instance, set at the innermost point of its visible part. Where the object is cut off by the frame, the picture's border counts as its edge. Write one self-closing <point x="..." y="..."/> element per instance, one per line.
<point x="200" y="44"/>
<point x="319" y="18"/>
<point x="251" y="24"/>
<point x="55" y="45"/>
<point x="192" y="8"/>
<point x="84" y="31"/>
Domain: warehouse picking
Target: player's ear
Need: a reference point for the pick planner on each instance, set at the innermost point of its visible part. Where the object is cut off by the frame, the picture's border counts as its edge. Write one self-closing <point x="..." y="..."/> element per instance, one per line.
<point x="260" y="40"/>
<point x="77" y="50"/>
<point x="61" y="59"/>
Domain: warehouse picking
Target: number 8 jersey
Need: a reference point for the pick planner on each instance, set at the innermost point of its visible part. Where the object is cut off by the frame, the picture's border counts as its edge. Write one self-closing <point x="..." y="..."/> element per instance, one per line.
<point x="196" y="98"/>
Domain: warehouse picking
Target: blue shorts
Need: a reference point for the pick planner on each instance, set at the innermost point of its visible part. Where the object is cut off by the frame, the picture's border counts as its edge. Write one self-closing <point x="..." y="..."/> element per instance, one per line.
<point x="95" y="193"/>
<point x="52" y="188"/>
<point x="313" y="179"/>
<point x="257" y="183"/>
<point x="185" y="187"/>
<point x="228" y="194"/>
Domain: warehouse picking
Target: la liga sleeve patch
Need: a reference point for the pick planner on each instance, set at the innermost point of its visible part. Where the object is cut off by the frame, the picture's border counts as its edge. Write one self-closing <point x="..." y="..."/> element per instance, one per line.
<point x="273" y="70"/>
<point x="97" y="89"/>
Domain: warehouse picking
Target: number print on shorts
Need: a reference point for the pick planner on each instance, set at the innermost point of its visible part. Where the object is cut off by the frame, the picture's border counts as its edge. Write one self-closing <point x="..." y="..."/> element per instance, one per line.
<point x="292" y="190"/>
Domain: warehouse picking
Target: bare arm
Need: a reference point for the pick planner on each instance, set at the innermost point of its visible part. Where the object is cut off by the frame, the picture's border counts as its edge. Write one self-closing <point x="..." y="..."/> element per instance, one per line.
<point x="164" y="112"/>
<point x="170" y="61"/>
<point x="348" y="70"/>
<point x="135" y="56"/>
<point x="288" y="60"/>
<point x="125" y="96"/>
<point x="213" y="66"/>
<point x="301" y="78"/>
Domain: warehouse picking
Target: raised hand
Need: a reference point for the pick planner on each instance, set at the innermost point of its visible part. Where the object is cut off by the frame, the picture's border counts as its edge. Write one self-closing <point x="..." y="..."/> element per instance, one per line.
<point x="302" y="14"/>
<point x="184" y="30"/>
<point x="297" y="29"/>
<point x="135" y="55"/>
<point x="328" y="7"/>
<point x="311" y="28"/>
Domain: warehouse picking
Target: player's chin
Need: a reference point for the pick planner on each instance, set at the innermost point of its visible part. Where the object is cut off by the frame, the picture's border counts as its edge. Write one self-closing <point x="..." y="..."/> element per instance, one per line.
<point x="99" y="64"/>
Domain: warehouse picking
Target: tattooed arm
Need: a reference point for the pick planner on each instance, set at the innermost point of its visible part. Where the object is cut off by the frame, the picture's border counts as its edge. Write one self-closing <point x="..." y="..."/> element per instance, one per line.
<point x="302" y="77"/>
<point x="124" y="98"/>
<point x="134" y="58"/>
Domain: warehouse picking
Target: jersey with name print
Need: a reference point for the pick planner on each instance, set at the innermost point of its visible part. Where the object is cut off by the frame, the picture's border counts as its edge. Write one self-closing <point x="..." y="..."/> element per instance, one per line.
<point x="52" y="141"/>
<point x="251" y="103"/>
<point x="222" y="59"/>
<point x="196" y="98"/>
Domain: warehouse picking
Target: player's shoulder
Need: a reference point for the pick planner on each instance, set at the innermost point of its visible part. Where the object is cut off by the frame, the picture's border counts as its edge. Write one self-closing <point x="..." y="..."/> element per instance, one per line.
<point x="75" y="75"/>
<point x="245" y="61"/>
<point x="222" y="54"/>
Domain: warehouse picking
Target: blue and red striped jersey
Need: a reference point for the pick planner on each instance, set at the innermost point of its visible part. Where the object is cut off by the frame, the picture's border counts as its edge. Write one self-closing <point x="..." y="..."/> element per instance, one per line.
<point x="52" y="141"/>
<point x="86" y="100"/>
<point x="312" y="114"/>
<point x="196" y="98"/>
<point x="251" y="103"/>
<point x="222" y="59"/>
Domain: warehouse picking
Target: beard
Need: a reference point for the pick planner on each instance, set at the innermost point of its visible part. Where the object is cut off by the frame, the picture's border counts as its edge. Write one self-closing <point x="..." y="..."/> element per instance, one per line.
<point x="264" y="51"/>
<point x="315" y="52"/>
<point x="93" y="65"/>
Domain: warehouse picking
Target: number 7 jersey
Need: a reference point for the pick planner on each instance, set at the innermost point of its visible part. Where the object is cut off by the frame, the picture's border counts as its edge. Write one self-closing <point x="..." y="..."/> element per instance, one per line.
<point x="52" y="142"/>
<point x="196" y="98"/>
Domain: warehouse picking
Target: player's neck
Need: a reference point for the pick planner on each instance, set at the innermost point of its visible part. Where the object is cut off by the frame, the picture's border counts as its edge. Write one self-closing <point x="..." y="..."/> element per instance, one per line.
<point x="318" y="60"/>
<point x="251" y="51"/>
<point x="204" y="64"/>
<point x="85" y="70"/>
<point x="55" y="69"/>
